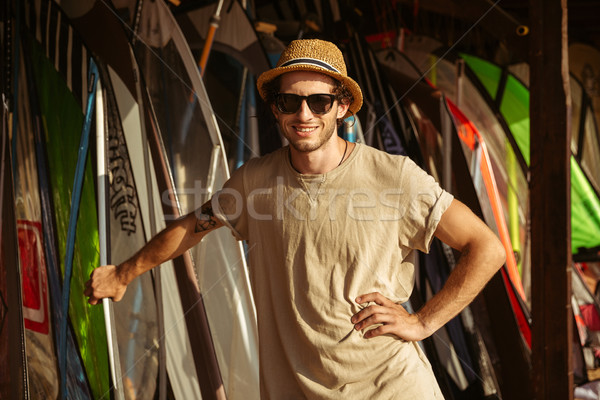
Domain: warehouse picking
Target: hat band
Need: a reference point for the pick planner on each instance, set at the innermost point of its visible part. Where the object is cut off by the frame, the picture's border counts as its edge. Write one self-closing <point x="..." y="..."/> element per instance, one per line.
<point x="309" y="61"/>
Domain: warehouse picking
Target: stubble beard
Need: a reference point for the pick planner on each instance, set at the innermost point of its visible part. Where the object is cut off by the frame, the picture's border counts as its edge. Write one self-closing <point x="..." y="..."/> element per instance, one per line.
<point x="307" y="147"/>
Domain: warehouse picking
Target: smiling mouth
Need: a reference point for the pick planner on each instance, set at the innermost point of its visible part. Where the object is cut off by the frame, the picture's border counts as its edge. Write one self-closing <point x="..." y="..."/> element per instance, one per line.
<point x="306" y="131"/>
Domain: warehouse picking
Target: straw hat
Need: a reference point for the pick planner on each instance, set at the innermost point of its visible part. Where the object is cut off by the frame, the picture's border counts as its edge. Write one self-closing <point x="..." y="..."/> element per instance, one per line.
<point x="318" y="56"/>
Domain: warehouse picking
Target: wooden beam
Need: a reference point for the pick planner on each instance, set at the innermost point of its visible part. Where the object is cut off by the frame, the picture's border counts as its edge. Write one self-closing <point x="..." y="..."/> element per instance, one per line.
<point x="487" y="15"/>
<point x="550" y="201"/>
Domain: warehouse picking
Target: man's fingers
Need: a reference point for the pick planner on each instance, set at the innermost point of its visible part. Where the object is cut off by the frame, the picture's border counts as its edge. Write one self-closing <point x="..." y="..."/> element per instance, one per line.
<point x="384" y="312"/>
<point x="100" y="284"/>
<point x="368" y="312"/>
<point x="375" y="297"/>
<point x="362" y="314"/>
<point x="372" y="320"/>
<point x="380" y="330"/>
<point x="89" y="292"/>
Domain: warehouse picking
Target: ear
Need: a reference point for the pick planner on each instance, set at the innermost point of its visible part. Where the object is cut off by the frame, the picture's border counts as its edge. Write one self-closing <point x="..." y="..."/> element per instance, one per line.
<point x="342" y="109"/>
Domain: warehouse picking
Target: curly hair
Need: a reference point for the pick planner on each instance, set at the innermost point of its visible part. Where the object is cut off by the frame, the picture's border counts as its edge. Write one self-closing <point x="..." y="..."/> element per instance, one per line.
<point x="341" y="92"/>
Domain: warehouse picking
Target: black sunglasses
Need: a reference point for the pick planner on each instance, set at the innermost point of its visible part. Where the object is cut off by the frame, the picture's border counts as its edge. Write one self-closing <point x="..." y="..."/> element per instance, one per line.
<point x="319" y="103"/>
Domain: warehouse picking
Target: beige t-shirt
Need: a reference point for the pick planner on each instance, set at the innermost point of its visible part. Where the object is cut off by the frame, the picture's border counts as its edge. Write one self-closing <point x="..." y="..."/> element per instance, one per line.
<point x="316" y="242"/>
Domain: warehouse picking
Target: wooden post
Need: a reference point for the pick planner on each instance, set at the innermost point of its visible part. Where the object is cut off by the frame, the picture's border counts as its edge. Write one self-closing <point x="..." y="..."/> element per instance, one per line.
<point x="550" y="189"/>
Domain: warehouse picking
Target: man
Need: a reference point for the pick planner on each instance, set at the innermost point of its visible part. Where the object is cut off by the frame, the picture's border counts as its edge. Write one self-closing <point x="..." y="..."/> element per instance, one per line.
<point x="331" y="229"/>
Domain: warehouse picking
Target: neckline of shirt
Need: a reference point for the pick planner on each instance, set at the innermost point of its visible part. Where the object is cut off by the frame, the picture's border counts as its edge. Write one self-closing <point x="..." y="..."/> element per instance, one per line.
<point x="324" y="176"/>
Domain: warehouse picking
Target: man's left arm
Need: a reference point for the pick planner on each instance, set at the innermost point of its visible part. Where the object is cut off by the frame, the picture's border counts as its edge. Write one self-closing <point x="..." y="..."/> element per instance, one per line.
<point x="482" y="255"/>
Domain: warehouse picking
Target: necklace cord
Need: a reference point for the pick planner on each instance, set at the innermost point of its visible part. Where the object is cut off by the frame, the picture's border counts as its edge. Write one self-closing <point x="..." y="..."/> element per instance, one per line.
<point x="344" y="155"/>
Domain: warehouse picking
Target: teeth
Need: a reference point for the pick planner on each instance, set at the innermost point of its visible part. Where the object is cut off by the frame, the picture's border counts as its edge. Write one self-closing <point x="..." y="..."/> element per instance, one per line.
<point x="304" y="129"/>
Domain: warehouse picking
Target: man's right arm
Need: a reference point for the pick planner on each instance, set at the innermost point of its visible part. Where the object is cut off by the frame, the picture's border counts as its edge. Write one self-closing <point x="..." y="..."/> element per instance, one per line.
<point x="110" y="281"/>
